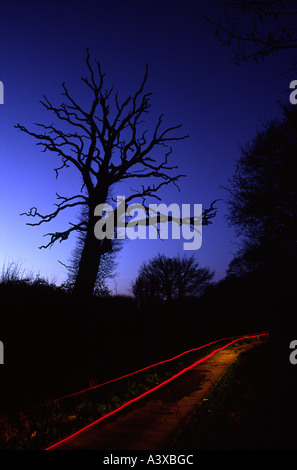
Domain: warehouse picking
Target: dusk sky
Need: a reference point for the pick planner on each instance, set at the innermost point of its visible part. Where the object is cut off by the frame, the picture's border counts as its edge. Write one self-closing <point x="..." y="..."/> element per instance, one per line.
<point x="193" y="81"/>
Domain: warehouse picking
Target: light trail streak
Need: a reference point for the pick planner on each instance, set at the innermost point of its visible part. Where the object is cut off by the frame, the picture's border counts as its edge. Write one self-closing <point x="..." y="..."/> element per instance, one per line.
<point x="156" y="387"/>
<point x="141" y="370"/>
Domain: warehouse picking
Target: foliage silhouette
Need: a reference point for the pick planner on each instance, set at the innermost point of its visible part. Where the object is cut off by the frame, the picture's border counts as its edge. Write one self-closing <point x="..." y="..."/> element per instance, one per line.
<point x="173" y="278"/>
<point x="263" y="192"/>
<point x="263" y="211"/>
<point x="255" y="29"/>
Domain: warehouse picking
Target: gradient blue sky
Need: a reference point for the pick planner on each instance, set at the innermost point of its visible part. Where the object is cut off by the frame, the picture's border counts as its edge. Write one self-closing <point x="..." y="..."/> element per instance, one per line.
<point x="193" y="81"/>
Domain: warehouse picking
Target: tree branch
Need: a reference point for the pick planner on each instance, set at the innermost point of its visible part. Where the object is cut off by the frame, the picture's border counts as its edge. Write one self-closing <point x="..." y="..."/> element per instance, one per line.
<point x="61" y="236"/>
<point x="95" y="140"/>
<point x="245" y="23"/>
<point x="60" y="207"/>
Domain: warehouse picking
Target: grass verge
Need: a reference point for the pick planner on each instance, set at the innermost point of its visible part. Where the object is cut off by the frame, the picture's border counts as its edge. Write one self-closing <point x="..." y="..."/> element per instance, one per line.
<point x="250" y="408"/>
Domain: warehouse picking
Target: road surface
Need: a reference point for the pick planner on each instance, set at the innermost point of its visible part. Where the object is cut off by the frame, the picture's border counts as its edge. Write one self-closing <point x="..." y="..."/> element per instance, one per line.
<point x="154" y="421"/>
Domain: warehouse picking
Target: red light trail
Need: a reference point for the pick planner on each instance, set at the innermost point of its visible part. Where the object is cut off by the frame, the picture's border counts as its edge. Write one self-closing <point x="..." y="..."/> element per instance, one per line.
<point x="136" y="371"/>
<point x="157" y="386"/>
<point x="141" y="370"/>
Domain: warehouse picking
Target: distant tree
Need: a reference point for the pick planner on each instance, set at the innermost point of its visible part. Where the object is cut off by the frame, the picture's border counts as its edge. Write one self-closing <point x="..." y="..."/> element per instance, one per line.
<point x="168" y="278"/>
<point x="256" y="29"/>
<point x="263" y="194"/>
<point x="106" y="145"/>
<point x="248" y="259"/>
<point x="239" y="266"/>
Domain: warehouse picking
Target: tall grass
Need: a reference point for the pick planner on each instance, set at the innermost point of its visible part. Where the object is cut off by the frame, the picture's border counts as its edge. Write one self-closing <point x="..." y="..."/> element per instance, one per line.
<point x="13" y="273"/>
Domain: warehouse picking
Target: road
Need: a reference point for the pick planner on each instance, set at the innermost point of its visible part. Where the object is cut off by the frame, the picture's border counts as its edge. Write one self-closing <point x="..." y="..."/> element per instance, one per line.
<point x="155" y="420"/>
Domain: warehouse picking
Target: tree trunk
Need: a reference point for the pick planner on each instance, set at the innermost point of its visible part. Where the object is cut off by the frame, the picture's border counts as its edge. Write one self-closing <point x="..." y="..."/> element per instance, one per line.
<point x="89" y="263"/>
<point x="82" y="292"/>
<point x="92" y="251"/>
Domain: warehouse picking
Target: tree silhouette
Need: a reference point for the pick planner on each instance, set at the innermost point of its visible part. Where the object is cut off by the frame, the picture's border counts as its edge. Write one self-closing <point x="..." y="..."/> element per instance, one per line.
<point x="167" y="278"/>
<point x="263" y="210"/>
<point x="256" y="29"/>
<point x="106" y="145"/>
<point x="248" y="259"/>
<point x="263" y="190"/>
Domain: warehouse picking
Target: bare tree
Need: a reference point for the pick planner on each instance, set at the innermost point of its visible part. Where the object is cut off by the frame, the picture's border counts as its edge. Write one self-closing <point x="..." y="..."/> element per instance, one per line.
<point x="256" y="29"/>
<point x="106" y="145"/>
